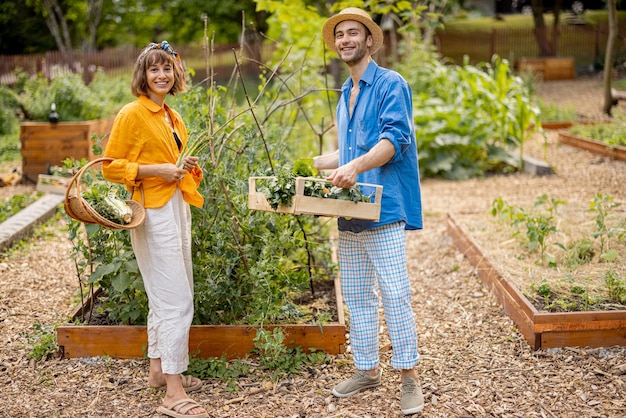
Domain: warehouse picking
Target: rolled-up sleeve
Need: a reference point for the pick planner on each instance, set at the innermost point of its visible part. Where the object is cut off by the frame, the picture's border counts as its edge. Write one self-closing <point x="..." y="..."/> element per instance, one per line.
<point x="395" y="111"/>
<point x="124" y="146"/>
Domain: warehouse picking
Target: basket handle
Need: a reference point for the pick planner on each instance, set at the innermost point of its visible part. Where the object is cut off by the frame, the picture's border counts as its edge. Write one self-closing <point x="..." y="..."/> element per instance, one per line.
<point x="75" y="181"/>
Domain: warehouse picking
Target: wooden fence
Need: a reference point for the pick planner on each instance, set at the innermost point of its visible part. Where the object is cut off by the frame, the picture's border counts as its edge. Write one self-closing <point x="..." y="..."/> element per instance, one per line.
<point x="585" y="43"/>
<point x="120" y="61"/>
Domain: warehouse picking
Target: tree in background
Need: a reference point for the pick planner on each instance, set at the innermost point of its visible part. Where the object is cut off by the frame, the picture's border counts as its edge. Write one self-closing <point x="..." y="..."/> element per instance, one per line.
<point x="26" y="26"/>
<point x="22" y="30"/>
<point x="610" y="54"/>
<point x="70" y="21"/>
<point x="547" y="46"/>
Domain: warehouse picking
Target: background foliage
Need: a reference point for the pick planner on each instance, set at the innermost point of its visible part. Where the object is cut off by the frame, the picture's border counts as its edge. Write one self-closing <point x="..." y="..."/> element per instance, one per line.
<point x="74" y="100"/>
<point x="250" y="265"/>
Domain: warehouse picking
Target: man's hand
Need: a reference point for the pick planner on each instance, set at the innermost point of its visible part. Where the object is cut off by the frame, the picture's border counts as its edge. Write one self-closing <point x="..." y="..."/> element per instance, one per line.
<point x="344" y="177"/>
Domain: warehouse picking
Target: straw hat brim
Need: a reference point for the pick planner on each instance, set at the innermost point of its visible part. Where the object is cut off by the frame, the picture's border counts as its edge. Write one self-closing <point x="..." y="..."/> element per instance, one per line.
<point x="352" y="13"/>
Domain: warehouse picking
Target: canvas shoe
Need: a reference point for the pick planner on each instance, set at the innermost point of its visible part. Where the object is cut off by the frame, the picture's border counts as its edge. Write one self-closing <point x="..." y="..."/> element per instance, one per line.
<point x="361" y="380"/>
<point x="412" y="398"/>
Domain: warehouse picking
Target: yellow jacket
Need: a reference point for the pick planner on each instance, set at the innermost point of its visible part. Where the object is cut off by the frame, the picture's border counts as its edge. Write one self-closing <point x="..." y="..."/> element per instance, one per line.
<point x="140" y="136"/>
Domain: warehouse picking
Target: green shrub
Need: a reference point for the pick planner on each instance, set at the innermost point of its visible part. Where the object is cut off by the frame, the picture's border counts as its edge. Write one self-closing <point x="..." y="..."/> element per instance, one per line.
<point x="14" y="204"/>
<point x="549" y="112"/>
<point x="9" y="122"/>
<point x="42" y="342"/>
<point x="609" y="133"/>
<point x="470" y="120"/>
<point x="75" y="101"/>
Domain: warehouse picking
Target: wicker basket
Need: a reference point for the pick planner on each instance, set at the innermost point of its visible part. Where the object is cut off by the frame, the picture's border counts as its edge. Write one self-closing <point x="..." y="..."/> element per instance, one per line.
<point x="79" y="209"/>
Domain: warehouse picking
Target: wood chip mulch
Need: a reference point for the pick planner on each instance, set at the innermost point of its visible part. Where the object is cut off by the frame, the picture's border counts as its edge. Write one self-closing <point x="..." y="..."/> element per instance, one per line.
<point x="474" y="363"/>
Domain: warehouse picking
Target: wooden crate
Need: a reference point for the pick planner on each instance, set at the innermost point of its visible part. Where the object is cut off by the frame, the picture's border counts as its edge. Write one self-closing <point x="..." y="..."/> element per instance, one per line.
<point x="46" y="144"/>
<point x="319" y="206"/>
<point x="52" y="184"/>
<point x="257" y="200"/>
<point x="549" y="68"/>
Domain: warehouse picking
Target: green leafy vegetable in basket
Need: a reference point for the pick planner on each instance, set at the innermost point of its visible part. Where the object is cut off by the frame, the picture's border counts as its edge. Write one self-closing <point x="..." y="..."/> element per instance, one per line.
<point x="109" y="205"/>
<point x="280" y="189"/>
<point x="328" y="191"/>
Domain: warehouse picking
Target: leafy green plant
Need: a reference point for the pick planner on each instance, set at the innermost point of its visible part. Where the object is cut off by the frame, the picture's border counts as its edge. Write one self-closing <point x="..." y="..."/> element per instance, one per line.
<point x="275" y="357"/>
<point x="272" y="359"/>
<point x="609" y="133"/>
<point x="9" y="122"/>
<point x="602" y="204"/>
<point x="550" y="112"/>
<point x="220" y="368"/>
<point x="470" y="120"/>
<point x="616" y="287"/>
<point x="15" y="203"/>
<point x="74" y="100"/>
<point x="104" y="259"/>
<point x="538" y="225"/>
<point x="41" y="341"/>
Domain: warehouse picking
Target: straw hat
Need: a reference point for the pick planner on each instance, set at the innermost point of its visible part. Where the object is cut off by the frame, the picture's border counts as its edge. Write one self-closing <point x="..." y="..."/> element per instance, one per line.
<point x="352" y="13"/>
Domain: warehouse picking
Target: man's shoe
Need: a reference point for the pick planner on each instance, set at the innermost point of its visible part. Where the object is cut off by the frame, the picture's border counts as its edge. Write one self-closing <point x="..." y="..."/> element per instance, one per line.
<point x="412" y="398"/>
<point x="361" y="380"/>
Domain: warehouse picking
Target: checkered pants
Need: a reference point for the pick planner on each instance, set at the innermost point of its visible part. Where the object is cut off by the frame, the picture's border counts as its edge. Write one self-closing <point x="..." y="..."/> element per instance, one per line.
<point x="371" y="261"/>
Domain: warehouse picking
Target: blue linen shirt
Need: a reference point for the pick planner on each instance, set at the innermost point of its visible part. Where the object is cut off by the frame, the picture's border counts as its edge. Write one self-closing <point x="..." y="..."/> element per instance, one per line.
<point x="382" y="110"/>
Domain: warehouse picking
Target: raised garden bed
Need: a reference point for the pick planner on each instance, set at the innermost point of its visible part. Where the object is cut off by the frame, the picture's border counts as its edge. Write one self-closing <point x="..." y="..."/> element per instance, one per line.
<point x="551" y="125"/>
<point x="549" y="68"/>
<point x="230" y="341"/>
<point x="52" y="184"/>
<point x="615" y="152"/>
<point x="45" y="144"/>
<point x="541" y="329"/>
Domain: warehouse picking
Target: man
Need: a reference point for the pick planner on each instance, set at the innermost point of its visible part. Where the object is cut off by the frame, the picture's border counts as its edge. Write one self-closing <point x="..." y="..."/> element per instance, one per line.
<point x="376" y="146"/>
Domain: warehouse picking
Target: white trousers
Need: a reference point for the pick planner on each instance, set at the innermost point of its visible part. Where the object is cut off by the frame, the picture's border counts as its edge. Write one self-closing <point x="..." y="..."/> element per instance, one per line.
<point x="162" y="246"/>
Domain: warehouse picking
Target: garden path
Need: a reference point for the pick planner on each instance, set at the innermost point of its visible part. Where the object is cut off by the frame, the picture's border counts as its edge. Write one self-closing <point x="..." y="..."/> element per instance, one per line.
<point x="474" y="363"/>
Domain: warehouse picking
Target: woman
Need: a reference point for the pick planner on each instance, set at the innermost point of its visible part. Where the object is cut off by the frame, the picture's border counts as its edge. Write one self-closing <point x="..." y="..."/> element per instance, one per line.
<point x="145" y="142"/>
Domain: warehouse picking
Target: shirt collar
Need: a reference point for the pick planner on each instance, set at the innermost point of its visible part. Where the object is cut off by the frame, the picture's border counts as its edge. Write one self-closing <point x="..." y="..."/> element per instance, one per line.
<point x="149" y="104"/>
<point x="367" y="77"/>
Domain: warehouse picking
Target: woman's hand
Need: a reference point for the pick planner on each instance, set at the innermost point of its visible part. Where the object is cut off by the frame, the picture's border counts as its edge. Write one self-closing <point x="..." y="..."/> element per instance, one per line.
<point x="189" y="163"/>
<point x="170" y="172"/>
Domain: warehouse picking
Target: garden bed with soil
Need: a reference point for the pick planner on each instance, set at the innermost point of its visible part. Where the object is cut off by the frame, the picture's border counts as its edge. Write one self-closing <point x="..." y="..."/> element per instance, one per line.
<point x="517" y="276"/>
<point x="100" y="337"/>
<point x="616" y="152"/>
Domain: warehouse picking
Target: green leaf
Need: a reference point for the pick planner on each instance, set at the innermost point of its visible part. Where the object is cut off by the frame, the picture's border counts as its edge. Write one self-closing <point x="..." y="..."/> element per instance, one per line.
<point x="610" y="255"/>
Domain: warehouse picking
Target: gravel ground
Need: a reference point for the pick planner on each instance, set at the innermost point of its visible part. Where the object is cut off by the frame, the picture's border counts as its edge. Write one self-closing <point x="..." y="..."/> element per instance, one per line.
<point x="474" y="362"/>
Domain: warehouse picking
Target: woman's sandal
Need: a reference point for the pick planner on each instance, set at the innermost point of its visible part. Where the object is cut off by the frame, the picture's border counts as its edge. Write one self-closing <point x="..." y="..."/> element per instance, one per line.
<point x="180" y="408"/>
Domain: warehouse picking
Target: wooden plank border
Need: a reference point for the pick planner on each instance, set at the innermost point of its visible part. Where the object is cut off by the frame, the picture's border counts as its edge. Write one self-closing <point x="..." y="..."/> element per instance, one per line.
<point x="541" y="329"/>
<point x="614" y="151"/>
<point x="230" y="341"/>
